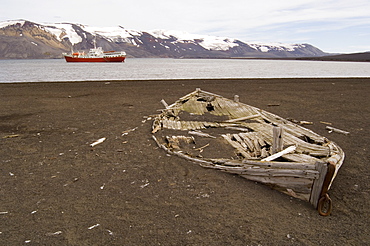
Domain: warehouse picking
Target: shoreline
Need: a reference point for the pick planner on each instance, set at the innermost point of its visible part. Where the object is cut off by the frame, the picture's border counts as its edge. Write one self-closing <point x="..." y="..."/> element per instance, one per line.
<point x="184" y="80"/>
<point x="130" y="192"/>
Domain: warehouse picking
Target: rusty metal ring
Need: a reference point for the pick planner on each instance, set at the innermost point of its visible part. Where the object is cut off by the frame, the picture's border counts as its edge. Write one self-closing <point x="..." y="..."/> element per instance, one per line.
<point x="325" y="201"/>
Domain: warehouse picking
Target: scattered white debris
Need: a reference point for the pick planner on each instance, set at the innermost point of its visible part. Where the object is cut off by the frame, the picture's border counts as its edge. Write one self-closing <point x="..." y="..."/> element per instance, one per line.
<point x="127" y="131"/>
<point x="33" y="211"/>
<point x="27" y="241"/>
<point x="53" y="233"/>
<point x="110" y="232"/>
<point x="144" y="185"/>
<point x="4" y="212"/>
<point x="102" y="187"/>
<point x="99" y="141"/>
<point x="92" y="227"/>
<point x="11" y="174"/>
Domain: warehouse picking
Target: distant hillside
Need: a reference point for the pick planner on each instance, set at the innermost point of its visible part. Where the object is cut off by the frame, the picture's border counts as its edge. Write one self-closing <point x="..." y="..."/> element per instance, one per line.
<point x="25" y="39"/>
<point x="362" y="57"/>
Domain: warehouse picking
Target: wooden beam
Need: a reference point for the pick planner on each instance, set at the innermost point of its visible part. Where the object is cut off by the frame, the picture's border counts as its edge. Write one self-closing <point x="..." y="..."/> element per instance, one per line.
<point x="277" y="140"/>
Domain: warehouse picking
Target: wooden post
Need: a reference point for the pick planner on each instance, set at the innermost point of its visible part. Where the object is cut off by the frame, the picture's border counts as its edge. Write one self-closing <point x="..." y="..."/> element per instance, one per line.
<point x="236" y="98"/>
<point x="277" y="144"/>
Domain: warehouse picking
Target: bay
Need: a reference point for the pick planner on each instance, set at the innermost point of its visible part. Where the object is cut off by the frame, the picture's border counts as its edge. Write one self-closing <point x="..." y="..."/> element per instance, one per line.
<point x="46" y="70"/>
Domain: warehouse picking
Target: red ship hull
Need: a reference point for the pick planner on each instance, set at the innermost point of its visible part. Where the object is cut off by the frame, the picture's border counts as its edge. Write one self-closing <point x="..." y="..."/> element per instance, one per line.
<point x="94" y="59"/>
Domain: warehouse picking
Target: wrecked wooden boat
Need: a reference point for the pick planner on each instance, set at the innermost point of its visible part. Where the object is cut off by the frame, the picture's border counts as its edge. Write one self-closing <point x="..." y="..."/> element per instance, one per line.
<point x="234" y="137"/>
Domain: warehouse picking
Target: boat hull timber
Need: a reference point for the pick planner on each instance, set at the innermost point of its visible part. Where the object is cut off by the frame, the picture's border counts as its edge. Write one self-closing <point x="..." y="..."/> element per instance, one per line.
<point x="263" y="147"/>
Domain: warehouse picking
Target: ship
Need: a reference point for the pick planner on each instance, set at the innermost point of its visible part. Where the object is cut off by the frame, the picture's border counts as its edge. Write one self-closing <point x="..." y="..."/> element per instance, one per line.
<point x="97" y="54"/>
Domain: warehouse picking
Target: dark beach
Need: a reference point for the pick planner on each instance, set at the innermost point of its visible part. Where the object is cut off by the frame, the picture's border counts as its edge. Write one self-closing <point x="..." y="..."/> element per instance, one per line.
<point x="57" y="190"/>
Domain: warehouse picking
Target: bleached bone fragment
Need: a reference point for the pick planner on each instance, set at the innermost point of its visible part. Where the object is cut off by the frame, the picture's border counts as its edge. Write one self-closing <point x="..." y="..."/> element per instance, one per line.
<point x="99" y="141"/>
<point x="93" y="226"/>
<point x="277" y="155"/>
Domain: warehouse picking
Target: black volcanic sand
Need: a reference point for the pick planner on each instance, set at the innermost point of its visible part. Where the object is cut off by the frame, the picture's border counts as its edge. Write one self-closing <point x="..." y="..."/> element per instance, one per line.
<point x="57" y="190"/>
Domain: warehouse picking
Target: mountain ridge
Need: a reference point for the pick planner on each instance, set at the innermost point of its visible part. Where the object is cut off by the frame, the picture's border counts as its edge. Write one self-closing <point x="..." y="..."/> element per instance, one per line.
<point x="26" y="39"/>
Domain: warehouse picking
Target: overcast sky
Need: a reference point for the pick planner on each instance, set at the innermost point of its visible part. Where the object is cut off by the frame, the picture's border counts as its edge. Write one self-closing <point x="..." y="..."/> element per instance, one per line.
<point x="340" y="26"/>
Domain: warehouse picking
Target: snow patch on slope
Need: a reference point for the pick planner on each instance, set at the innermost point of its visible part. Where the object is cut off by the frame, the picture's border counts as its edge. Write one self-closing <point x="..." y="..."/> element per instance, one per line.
<point x="11" y="22"/>
<point x="207" y="42"/>
<point x="266" y="47"/>
<point x="64" y="30"/>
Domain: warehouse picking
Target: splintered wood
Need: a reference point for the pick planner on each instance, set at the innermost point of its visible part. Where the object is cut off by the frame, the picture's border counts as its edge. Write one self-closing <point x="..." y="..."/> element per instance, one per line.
<point x="253" y="143"/>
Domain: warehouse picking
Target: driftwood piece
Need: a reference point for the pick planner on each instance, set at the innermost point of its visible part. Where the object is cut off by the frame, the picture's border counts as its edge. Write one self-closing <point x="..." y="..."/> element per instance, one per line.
<point x="332" y="129"/>
<point x="164" y="103"/>
<point x="300" y="122"/>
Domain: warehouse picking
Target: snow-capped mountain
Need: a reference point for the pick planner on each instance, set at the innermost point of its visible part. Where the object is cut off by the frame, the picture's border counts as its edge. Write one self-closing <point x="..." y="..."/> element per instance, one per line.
<point x="25" y="39"/>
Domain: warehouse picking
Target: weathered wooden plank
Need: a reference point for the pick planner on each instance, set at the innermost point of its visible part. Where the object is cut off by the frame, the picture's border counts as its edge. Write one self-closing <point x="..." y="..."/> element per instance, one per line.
<point x="201" y="134"/>
<point x="300" y="158"/>
<point x="291" y="128"/>
<point x="242" y="129"/>
<point x="270" y="172"/>
<point x="318" y="183"/>
<point x="298" y="185"/>
<point x="247" y="139"/>
<point x="257" y="147"/>
<point x="275" y="164"/>
<point x="289" y="139"/>
<point x="220" y="107"/>
<point x="240" y="141"/>
<point x="277" y="136"/>
<point x="236" y="145"/>
<point x="244" y="118"/>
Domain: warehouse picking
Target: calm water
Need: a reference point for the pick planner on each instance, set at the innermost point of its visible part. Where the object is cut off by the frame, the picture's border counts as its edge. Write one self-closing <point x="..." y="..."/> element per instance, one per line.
<point x="160" y="68"/>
